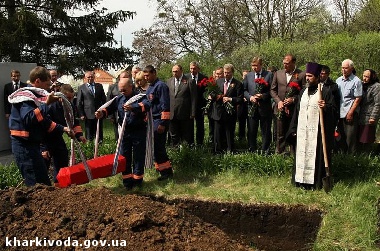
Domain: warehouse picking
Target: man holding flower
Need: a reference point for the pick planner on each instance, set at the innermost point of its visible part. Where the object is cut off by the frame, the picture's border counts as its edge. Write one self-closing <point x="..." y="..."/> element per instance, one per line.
<point x="257" y="92"/>
<point x="280" y="90"/>
<point x="224" y="109"/>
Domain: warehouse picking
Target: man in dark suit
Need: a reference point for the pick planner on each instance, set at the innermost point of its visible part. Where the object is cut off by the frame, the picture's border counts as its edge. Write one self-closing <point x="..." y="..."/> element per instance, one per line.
<point x="183" y="98"/>
<point x="225" y="118"/>
<point x="89" y="98"/>
<point x="10" y="88"/>
<point x="197" y="77"/>
<point x="263" y="106"/>
<point x="279" y="88"/>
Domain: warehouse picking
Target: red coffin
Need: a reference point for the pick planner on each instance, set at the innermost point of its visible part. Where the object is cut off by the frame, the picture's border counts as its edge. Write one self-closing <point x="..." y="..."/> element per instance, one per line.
<point x="100" y="167"/>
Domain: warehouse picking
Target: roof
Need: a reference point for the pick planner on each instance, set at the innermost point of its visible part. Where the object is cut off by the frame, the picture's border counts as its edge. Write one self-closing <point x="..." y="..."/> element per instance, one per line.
<point x="102" y="77"/>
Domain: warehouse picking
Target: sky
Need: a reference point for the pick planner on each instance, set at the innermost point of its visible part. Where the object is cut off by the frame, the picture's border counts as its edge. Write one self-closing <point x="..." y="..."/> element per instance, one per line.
<point x="145" y="12"/>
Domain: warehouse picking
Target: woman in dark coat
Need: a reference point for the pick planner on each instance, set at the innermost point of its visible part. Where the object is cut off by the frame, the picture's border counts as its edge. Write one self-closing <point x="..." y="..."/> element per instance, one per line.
<point x="369" y="110"/>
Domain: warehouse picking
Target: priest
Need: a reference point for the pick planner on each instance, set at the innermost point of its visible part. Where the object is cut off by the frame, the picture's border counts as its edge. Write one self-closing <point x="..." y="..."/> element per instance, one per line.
<point x="305" y="130"/>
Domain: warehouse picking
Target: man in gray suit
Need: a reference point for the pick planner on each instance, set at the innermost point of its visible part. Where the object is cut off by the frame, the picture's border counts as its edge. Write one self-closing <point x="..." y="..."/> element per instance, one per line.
<point x="183" y="101"/>
<point x="90" y="97"/>
<point x="263" y="106"/>
<point x="279" y="88"/>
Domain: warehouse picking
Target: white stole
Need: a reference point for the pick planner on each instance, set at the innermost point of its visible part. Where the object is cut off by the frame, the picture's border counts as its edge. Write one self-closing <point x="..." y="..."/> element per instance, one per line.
<point x="307" y="134"/>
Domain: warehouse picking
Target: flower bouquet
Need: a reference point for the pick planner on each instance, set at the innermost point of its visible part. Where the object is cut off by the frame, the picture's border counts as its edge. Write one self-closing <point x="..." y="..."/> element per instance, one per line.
<point x="261" y="86"/>
<point x="211" y="89"/>
<point x="294" y="90"/>
<point x="229" y="107"/>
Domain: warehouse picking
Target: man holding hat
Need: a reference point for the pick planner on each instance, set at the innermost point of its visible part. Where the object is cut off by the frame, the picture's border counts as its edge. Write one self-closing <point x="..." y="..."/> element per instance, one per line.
<point x="305" y="129"/>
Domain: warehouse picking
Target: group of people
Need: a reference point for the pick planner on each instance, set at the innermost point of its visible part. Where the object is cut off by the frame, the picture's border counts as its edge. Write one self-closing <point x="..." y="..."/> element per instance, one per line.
<point x="304" y="118"/>
<point x="36" y="125"/>
<point x="305" y="110"/>
<point x="37" y="121"/>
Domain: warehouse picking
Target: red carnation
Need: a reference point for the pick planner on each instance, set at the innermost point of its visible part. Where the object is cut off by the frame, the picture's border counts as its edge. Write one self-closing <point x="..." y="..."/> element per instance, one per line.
<point x="294" y="85"/>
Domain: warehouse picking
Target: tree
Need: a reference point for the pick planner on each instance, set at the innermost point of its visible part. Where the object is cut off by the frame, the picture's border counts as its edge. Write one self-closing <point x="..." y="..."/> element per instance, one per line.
<point x="346" y="9"/>
<point x="368" y="18"/>
<point x="218" y="27"/>
<point x="42" y="31"/>
<point x="153" y="47"/>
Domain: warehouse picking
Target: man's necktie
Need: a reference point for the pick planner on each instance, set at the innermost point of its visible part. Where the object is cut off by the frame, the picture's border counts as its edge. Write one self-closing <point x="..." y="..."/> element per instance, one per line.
<point x="15" y="87"/>
<point x="225" y="87"/>
<point x="257" y="75"/>
<point x="176" y="84"/>
<point x="92" y="88"/>
<point x="194" y="80"/>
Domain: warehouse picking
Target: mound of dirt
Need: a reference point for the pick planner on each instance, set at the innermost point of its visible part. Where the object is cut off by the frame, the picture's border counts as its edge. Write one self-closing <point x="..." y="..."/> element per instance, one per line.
<point x="85" y="215"/>
<point x="77" y="218"/>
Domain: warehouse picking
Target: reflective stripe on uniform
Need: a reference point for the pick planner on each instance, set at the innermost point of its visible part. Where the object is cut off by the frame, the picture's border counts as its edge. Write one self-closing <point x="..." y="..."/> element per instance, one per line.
<point x="138" y="177"/>
<point x="162" y="166"/>
<point x="52" y="126"/>
<point x="38" y="114"/>
<point x="19" y="133"/>
<point x="127" y="176"/>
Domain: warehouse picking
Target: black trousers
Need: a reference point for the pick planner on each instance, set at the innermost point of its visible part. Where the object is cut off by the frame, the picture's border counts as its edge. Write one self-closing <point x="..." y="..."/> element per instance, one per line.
<point x="265" y="123"/>
<point x="282" y="128"/>
<point x="225" y="129"/>
<point x="242" y="119"/>
<point x="200" y="126"/>
<point x="181" y="130"/>
<point x="90" y="125"/>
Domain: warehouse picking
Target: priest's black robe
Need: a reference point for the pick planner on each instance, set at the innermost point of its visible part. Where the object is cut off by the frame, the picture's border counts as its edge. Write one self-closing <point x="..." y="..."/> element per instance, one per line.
<point x="330" y="112"/>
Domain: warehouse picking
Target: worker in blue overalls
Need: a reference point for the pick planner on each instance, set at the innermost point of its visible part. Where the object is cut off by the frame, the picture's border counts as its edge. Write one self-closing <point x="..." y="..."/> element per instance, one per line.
<point x="55" y="143"/>
<point x="133" y="144"/>
<point x="158" y="95"/>
<point x="28" y="124"/>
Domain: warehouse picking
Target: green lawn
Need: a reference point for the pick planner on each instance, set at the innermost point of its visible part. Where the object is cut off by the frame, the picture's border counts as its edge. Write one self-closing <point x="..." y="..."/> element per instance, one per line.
<point x="350" y="210"/>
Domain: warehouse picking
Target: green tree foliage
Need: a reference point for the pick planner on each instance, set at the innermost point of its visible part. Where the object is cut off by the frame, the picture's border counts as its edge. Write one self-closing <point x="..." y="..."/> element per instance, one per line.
<point x="43" y="32"/>
<point x="330" y="50"/>
<point x="368" y="18"/>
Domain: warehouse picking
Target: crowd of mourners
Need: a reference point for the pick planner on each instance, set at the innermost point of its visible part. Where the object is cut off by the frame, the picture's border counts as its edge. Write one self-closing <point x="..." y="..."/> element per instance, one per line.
<point x="303" y="113"/>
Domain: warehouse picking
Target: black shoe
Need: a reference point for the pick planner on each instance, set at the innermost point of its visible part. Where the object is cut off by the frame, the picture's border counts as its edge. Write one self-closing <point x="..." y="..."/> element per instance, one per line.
<point x="128" y="184"/>
<point x="129" y="187"/>
<point x="138" y="182"/>
<point x="166" y="174"/>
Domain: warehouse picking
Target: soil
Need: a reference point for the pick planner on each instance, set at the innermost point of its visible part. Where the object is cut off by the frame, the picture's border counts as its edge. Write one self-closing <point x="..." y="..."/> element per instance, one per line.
<point x="149" y="223"/>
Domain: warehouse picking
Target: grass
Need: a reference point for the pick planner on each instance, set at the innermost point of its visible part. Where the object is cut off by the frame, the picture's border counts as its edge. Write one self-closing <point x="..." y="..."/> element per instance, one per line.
<point x="350" y="209"/>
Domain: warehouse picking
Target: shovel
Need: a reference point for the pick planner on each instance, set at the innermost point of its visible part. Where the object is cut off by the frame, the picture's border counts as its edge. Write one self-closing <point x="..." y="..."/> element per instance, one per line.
<point x="326" y="181"/>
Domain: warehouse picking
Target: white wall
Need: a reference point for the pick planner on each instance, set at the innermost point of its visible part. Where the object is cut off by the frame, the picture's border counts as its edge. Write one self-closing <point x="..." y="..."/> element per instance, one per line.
<point x="5" y="77"/>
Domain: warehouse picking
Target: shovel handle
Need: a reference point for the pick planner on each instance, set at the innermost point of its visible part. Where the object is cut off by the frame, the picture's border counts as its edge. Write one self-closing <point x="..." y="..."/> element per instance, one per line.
<point x="323" y="133"/>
